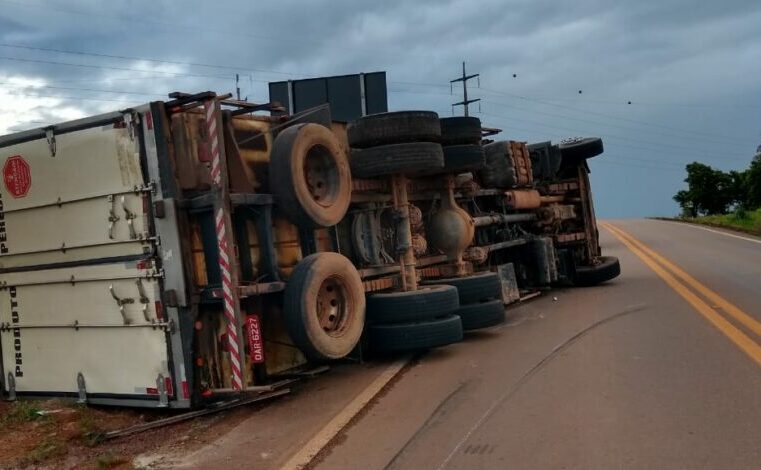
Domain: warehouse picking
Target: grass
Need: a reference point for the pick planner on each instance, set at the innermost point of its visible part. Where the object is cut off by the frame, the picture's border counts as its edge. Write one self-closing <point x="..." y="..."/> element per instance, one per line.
<point x="21" y="412"/>
<point x="744" y="221"/>
<point x="46" y="449"/>
<point x="92" y="434"/>
<point x="107" y="461"/>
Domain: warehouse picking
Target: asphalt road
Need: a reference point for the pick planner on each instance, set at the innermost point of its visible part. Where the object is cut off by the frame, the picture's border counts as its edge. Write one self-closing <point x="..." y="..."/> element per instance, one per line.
<point x="648" y="371"/>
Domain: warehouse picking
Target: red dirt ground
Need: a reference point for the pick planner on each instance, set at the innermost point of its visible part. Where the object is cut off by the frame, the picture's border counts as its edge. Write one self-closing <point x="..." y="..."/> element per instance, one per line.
<point x="64" y="436"/>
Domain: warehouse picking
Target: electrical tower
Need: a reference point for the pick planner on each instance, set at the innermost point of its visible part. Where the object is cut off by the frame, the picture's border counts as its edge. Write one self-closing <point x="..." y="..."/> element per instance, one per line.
<point x="464" y="79"/>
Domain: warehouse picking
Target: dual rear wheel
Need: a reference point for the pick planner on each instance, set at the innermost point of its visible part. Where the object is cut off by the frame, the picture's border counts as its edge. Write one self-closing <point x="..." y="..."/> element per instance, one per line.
<point x="324" y="309"/>
<point x="480" y="298"/>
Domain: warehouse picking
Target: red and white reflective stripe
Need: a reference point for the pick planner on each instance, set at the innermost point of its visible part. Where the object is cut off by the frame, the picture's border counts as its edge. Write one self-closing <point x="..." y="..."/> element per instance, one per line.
<point x="211" y="124"/>
<point x="229" y="305"/>
<point x="224" y="253"/>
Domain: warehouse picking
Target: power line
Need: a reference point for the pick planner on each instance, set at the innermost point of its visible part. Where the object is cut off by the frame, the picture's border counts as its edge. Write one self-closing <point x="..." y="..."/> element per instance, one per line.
<point x="195" y="75"/>
<point x="168" y="27"/>
<point x="634" y="165"/>
<point x="73" y="98"/>
<point x="609" y="116"/>
<point x="422" y="84"/>
<point x="181" y="29"/>
<point x="617" y="126"/>
<point x="415" y="92"/>
<point x="201" y="64"/>
<point x="96" y="90"/>
<point x="629" y="102"/>
<point x="144" y="59"/>
<point x="231" y="67"/>
<point x="174" y="27"/>
<point x="597" y="123"/>
<point x="658" y="146"/>
<point x="110" y="67"/>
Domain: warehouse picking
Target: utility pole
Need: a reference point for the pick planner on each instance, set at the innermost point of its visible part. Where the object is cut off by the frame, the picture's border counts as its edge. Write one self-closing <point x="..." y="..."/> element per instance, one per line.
<point x="464" y="79"/>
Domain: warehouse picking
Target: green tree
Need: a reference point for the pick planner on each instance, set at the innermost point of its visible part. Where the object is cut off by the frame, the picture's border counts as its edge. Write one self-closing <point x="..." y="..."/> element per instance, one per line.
<point x="684" y="199"/>
<point x="739" y="189"/>
<point x="753" y="183"/>
<point x="709" y="191"/>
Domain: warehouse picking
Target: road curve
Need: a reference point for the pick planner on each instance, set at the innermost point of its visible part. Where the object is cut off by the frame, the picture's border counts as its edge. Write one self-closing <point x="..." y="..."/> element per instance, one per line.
<point x="646" y="371"/>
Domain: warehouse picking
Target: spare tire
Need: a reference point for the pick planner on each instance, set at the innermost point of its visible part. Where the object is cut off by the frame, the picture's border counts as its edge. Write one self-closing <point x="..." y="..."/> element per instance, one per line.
<point x="481" y="315"/>
<point x="426" y="303"/>
<point x="580" y="149"/>
<point x="472" y="289"/>
<point x="415" y="159"/>
<point x="394" y="128"/>
<point x="310" y="177"/>
<point x="607" y="269"/>
<point x="415" y="336"/>
<point x="461" y="130"/>
<point x="459" y="158"/>
<point x="324" y="306"/>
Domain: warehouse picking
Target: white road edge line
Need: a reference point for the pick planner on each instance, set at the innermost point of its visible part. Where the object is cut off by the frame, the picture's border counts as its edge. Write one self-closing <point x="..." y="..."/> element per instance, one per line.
<point x="303" y="457"/>
<point x="754" y="240"/>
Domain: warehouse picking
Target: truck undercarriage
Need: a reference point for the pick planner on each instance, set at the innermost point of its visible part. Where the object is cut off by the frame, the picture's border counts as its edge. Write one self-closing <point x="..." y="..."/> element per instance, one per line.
<point x="185" y="250"/>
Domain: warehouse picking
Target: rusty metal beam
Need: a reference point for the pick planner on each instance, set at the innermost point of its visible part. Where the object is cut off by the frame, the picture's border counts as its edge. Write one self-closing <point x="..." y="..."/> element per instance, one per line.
<point x="492" y="219"/>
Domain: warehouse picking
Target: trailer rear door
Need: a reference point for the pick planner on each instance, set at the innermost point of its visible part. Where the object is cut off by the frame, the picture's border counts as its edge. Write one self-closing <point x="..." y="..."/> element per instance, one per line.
<point x="80" y="286"/>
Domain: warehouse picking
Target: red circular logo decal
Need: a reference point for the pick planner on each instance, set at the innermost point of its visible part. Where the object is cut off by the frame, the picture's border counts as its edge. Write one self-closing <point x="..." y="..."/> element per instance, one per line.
<point x="17" y="176"/>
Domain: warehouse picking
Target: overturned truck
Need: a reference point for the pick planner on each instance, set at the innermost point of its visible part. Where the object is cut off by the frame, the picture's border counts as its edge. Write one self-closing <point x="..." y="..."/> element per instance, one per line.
<point x="185" y="250"/>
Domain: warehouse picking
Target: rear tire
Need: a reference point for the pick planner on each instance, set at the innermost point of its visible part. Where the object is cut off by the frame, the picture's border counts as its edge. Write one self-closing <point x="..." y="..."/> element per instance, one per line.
<point x="426" y="303"/>
<point x="415" y="336"/>
<point x="419" y="158"/>
<point x="310" y="176"/>
<point x="481" y="315"/>
<point x="608" y="268"/>
<point x="473" y="289"/>
<point x="394" y="128"/>
<point x="324" y="306"/>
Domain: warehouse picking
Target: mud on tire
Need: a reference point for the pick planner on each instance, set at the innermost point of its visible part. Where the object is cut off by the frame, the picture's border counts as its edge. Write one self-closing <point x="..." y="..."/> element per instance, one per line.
<point x="310" y="176"/>
<point x="324" y="306"/>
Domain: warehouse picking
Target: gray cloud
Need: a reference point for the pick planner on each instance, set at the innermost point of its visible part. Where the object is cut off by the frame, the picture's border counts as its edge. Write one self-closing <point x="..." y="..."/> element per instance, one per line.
<point x="690" y="69"/>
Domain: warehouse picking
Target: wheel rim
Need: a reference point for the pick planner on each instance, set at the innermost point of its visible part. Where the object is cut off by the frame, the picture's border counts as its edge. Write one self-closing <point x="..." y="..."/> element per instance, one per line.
<point x="322" y="176"/>
<point x="333" y="306"/>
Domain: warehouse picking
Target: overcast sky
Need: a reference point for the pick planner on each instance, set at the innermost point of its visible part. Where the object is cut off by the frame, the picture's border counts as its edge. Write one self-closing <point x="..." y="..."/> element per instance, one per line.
<point x="689" y="68"/>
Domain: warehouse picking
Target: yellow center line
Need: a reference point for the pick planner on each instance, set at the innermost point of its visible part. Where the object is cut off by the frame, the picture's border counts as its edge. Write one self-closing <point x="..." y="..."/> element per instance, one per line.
<point x="740" y="339"/>
<point x="731" y="309"/>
